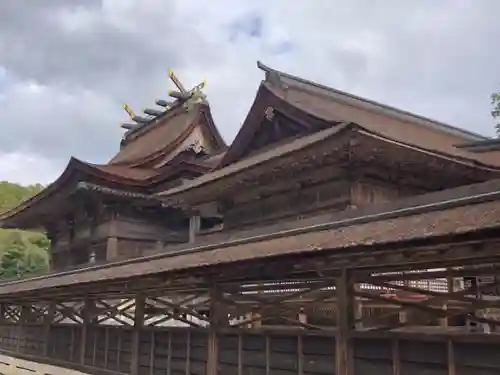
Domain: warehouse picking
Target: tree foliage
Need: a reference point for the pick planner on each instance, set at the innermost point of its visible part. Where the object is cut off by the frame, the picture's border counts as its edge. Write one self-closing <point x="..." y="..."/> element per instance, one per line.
<point x="495" y="112"/>
<point x="22" y="253"/>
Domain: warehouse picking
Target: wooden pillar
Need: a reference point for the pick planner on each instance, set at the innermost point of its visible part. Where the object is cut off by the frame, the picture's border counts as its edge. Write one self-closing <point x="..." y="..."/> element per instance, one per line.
<point x="444" y="321"/>
<point x="345" y="324"/>
<point x="451" y="358"/>
<point x="136" y="333"/>
<point x="403" y="315"/>
<point x="47" y="324"/>
<point x="194" y="226"/>
<point x="87" y="318"/>
<point x="218" y="319"/>
<point x="112" y="248"/>
<point x="358" y="307"/>
<point x="396" y="361"/>
<point x="302" y="316"/>
<point x="112" y="242"/>
<point x="23" y="319"/>
<point x="3" y="318"/>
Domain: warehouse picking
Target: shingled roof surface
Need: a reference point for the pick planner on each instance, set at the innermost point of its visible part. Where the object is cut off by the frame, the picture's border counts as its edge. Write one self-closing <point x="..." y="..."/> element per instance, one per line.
<point x="331" y="104"/>
<point x="343" y="113"/>
<point x="164" y="134"/>
<point x="129" y="169"/>
<point x="335" y="131"/>
<point x="467" y="209"/>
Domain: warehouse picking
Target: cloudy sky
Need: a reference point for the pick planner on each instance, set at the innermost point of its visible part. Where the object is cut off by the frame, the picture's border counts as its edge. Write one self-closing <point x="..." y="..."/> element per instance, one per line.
<point x="67" y="66"/>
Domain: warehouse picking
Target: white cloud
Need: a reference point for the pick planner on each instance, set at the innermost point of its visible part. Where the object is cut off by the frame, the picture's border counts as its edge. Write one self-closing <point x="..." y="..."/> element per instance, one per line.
<point x="25" y="169"/>
<point x="84" y="59"/>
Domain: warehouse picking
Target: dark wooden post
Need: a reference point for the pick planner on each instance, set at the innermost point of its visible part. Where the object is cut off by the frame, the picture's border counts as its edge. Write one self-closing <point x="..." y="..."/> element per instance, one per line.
<point x="112" y="242"/>
<point x="112" y="248"/>
<point x="136" y="333"/>
<point x="345" y="323"/>
<point x="194" y="226"/>
<point x="218" y="318"/>
<point x="47" y="324"/>
<point x="23" y="319"/>
<point x="396" y="361"/>
<point x="3" y="318"/>
<point x="87" y="318"/>
<point x="451" y="358"/>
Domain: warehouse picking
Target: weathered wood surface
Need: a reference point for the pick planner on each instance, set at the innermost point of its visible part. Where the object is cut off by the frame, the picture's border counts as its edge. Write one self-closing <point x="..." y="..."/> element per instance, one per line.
<point x="169" y="350"/>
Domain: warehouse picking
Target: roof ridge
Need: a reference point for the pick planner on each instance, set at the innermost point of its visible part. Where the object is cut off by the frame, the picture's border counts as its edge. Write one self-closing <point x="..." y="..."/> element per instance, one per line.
<point x="441" y="126"/>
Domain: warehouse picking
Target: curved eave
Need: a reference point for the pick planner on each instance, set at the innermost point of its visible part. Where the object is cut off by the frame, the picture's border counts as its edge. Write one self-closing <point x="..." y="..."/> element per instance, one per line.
<point x="217" y="137"/>
<point x="120" y="193"/>
<point x="75" y="171"/>
<point x="175" y="195"/>
<point x="263" y="99"/>
<point x="375" y="106"/>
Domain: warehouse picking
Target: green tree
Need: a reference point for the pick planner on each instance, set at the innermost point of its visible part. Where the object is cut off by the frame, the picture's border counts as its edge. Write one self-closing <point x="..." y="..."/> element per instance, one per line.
<point x="22" y="253"/>
<point x="495" y="112"/>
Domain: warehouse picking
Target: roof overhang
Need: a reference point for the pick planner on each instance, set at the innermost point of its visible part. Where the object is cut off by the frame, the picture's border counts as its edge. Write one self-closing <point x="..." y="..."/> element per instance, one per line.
<point x="462" y="214"/>
<point x="341" y="133"/>
<point x="28" y="212"/>
<point x="370" y="105"/>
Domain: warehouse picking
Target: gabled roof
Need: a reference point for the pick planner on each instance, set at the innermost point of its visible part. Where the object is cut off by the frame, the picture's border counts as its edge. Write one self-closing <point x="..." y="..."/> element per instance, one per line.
<point x="128" y="181"/>
<point x="313" y="88"/>
<point x="311" y="101"/>
<point x="59" y="190"/>
<point x="166" y="133"/>
<point x="335" y="134"/>
<point x="156" y="152"/>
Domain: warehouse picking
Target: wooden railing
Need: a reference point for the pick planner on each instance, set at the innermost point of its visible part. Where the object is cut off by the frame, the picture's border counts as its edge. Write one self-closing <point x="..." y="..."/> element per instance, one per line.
<point x="108" y="350"/>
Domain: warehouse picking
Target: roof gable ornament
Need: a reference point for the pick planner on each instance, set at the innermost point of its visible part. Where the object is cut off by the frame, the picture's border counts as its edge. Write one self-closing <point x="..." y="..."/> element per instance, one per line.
<point x="190" y="97"/>
<point x="196" y="147"/>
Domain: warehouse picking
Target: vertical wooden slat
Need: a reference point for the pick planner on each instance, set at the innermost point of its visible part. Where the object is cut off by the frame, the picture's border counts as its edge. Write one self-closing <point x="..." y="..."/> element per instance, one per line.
<point x="169" y="354"/>
<point x="21" y="333"/>
<point x="152" y="354"/>
<point x="85" y="326"/>
<point x="94" y="347"/>
<point x="2" y="312"/>
<point x="240" y="354"/>
<point x="136" y="333"/>
<point x="300" y="355"/>
<point x="396" y="361"/>
<point x="345" y="320"/>
<point x="194" y="226"/>
<point x="71" y="344"/>
<point x="112" y="241"/>
<point x="188" y="352"/>
<point x="268" y="355"/>
<point x="119" y="350"/>
<point x="450" y="281"/>
<point x="106" y="346"/>
<point x="218" y="318"/>
<point x="452" y="366"/>
<point x="47" y="324"/>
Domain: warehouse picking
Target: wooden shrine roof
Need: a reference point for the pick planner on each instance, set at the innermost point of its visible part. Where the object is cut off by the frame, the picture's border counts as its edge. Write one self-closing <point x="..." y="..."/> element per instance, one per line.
<point x="465" y="210"/>
<point x="341" y="132"/>
<point x="311" y="100"/>
<point x="165" y="134"/>
<point x="300" y="84"/>
<point x="153" y="153"/>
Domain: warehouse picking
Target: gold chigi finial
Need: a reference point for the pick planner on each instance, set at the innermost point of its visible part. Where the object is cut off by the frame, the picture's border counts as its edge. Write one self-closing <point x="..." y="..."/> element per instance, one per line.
<point x="129" y="110"/>
<point x="182" y="93"/>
